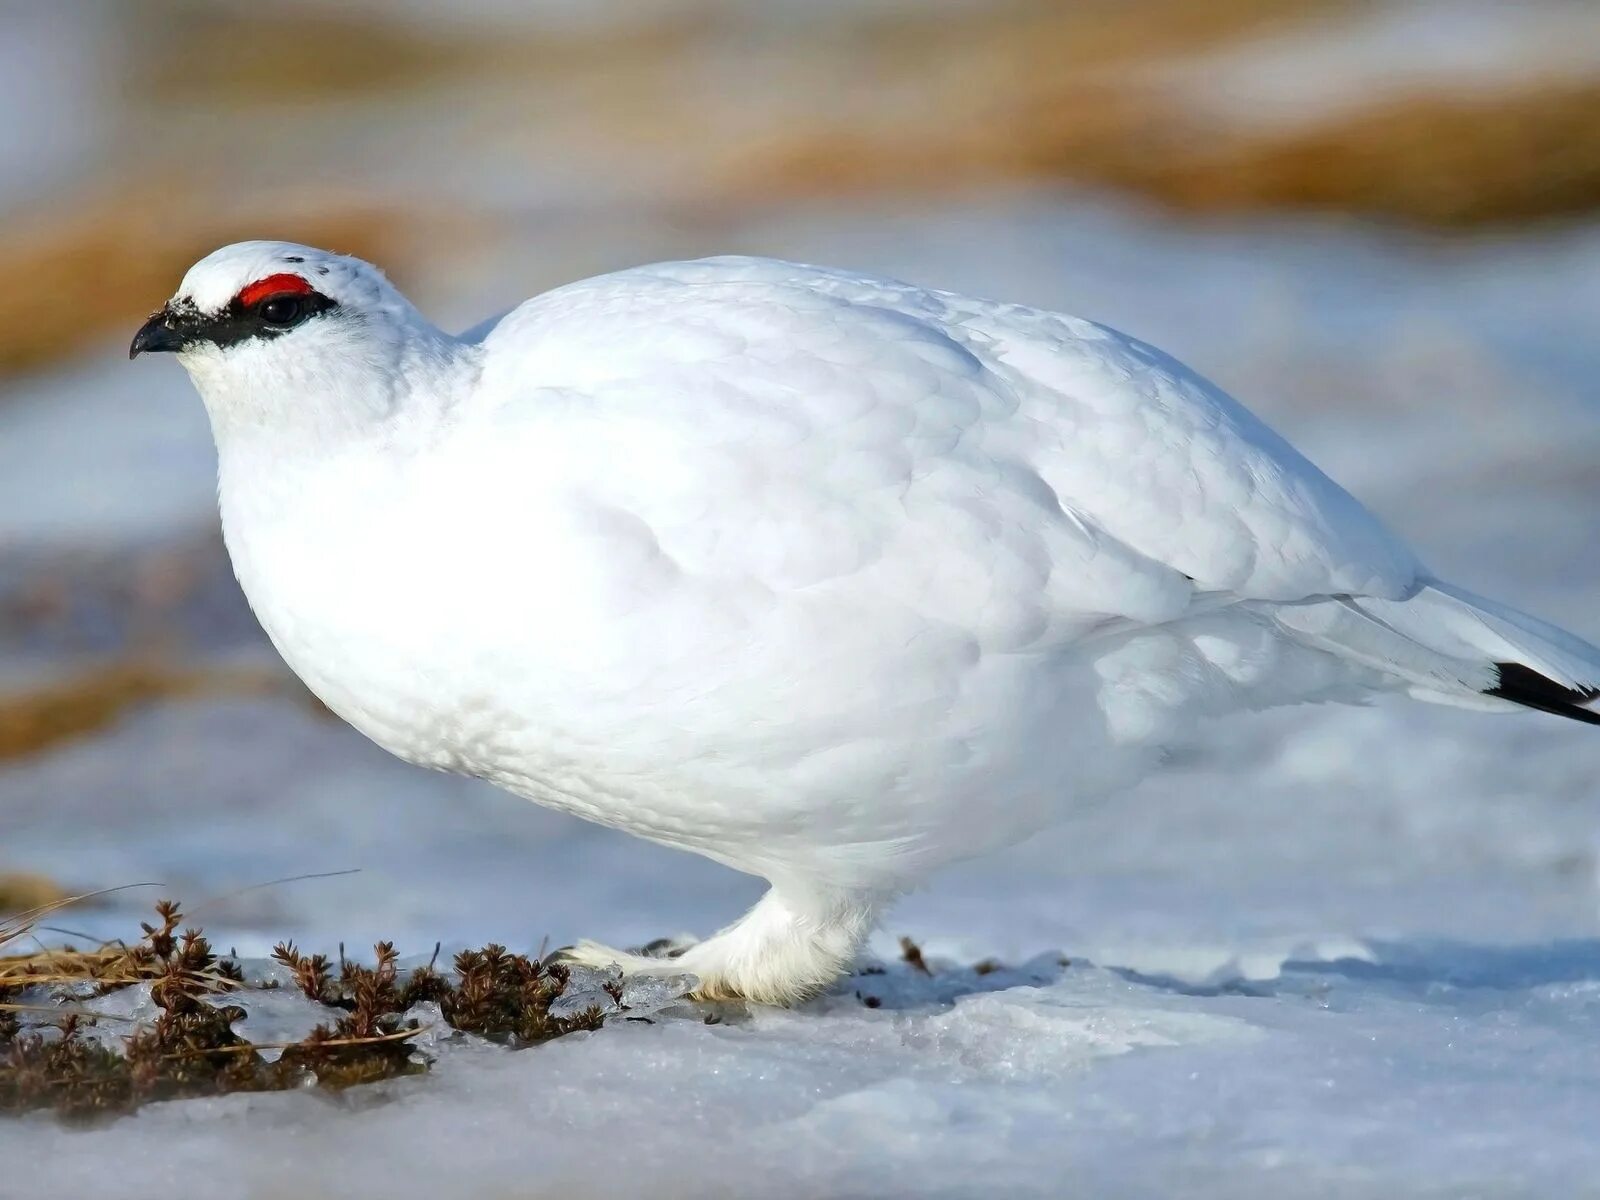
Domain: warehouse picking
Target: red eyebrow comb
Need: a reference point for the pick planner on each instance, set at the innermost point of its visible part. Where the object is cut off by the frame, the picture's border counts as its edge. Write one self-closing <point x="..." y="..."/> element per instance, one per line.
<point x="272" y="285"/>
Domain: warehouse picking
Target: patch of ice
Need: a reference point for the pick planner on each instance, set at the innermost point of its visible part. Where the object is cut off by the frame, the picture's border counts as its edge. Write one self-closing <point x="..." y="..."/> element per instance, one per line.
<point x="118" y="1015"/>
<point x="588" y="987"/>
<point x="434" y="1029"/>
<point x="646" y="994"/>
<point x="274" y="1016"/>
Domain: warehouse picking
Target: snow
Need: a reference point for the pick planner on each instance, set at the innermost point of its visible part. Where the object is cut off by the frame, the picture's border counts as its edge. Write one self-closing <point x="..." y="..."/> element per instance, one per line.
<point x="1327" y="952"/>
<point x="1429" y="1076"/>
<point x="53" y="62"/>
<point x="97" y="455"/>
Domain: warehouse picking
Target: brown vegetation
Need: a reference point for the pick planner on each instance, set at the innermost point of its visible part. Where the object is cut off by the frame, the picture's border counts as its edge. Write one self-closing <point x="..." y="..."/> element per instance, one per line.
<point x="195" y="51"/>
<point x="932" y="98"/>
<point x="1434" y="160"/>
<point x="921" y="99"/>
<point x="1043" y="99"/>
<point x="191" y="1048"/>
<point x="22" y="890"/>
<point x="36" y="720"/>
<point x="1448" y="161"/>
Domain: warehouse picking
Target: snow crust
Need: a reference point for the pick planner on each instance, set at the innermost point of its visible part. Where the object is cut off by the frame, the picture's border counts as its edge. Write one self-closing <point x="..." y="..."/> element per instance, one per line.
<point x="1433" y="1073"/>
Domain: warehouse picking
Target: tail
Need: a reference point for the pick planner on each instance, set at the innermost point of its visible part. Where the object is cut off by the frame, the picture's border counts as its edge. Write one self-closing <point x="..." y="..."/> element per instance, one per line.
<point x="1448" y="646"/>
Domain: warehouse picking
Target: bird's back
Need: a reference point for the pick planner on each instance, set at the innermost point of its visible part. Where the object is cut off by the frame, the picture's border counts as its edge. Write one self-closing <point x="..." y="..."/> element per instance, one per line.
<point x="1164" y="484"/>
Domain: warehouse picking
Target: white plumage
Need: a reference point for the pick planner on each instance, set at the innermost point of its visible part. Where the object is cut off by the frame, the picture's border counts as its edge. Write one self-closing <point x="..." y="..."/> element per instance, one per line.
<point x="826" y="577"/>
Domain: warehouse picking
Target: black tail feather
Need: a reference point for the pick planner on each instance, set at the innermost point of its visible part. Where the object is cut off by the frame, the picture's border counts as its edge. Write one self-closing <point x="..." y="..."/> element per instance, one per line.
<point x="1524" y="686"/>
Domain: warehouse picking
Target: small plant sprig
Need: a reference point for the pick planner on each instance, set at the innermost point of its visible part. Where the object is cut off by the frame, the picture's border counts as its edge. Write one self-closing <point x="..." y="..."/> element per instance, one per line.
<point x="191" y="1047"/>
<point x="506" y="997"/>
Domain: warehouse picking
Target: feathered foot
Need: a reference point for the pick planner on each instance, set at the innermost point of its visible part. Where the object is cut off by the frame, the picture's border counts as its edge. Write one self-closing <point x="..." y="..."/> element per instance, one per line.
<point x="790" y="946"/>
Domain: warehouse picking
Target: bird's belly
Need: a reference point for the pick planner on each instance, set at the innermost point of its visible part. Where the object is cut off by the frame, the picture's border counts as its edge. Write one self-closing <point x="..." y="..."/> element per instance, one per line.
<point x="822" y="730"/>
<point x="851" y="763"/>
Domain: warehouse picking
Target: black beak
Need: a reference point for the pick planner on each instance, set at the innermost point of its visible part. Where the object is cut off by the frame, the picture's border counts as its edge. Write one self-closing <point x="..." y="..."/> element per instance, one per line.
<point x="158" y="336"/>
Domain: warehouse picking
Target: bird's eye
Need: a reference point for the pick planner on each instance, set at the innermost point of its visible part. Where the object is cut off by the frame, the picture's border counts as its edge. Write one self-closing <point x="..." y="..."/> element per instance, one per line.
<point x="281" y="310"/>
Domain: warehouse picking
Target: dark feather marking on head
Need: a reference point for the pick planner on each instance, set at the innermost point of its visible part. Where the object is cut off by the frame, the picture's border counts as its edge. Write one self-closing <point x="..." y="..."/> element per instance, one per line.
<point x="238" y="323"/>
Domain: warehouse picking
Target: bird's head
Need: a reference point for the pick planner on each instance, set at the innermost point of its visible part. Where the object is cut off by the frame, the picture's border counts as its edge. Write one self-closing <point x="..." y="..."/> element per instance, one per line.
<point x="263" y="328"/>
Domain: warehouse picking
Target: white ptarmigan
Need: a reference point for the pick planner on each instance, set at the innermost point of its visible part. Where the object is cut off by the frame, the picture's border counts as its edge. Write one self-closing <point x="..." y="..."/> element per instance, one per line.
<point x="829" y="578"/>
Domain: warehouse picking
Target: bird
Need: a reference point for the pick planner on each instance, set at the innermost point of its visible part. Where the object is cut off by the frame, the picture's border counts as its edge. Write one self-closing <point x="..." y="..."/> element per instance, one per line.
<point x="832" y="579"/>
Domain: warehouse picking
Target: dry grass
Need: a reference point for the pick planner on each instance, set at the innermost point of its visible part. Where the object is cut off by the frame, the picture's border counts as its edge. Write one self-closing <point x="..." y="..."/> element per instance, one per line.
<point x="921" y="100"/>
<point x="21" y="891"/>
<point x="1448" y="161"/>
<point x="199" y="52"/>
<point x="36" y="720"/>
<point x="189" y="1048"/>
<point x="102" y="968"/>
<point x="1524" y="152"/>
<point x="239" y="53"/>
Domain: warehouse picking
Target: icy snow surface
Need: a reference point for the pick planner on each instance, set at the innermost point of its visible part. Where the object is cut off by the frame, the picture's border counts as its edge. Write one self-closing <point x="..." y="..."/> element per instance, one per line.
<point x="1329" y="952"/>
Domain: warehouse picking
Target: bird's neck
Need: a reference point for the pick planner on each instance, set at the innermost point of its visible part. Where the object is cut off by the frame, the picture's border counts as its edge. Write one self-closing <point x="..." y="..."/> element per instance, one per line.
<point x="355" y="391"/>
<point x="281" y="437"/>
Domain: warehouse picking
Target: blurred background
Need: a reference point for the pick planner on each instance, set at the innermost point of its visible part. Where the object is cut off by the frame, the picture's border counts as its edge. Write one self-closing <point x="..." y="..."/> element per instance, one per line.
<point x="1377" y="222"/>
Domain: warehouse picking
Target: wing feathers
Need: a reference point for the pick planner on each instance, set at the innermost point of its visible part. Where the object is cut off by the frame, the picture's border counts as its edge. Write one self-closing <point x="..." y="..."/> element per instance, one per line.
<point x="1526" y="687"/>
<point x="1452" y="646"/>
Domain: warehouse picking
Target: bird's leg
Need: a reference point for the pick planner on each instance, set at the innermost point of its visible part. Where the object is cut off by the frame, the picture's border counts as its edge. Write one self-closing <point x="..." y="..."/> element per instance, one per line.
<point x="792" y="944"/>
